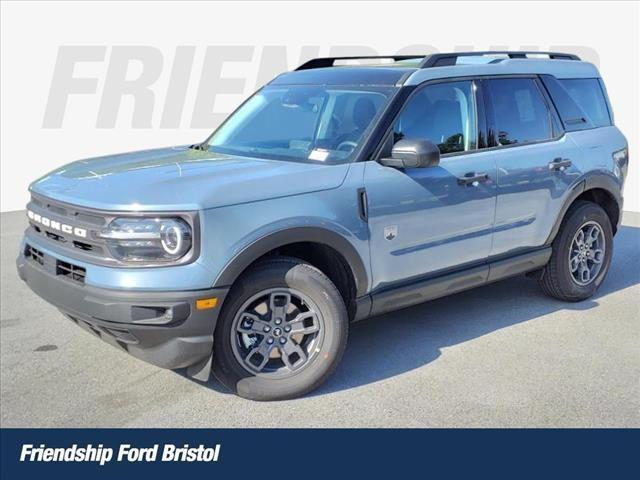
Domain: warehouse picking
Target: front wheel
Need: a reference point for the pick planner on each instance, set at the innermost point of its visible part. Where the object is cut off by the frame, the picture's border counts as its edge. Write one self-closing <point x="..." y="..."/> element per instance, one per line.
<point x="581" y="254"/>
<point x="282" y="331"/>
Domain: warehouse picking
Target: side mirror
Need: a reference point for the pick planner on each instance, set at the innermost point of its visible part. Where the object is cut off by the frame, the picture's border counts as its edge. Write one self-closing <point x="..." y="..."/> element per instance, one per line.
<point x="412" y="153"/>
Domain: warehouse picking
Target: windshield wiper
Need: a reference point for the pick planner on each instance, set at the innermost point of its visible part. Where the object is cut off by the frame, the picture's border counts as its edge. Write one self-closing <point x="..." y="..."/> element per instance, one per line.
<point x="199" y="146"/>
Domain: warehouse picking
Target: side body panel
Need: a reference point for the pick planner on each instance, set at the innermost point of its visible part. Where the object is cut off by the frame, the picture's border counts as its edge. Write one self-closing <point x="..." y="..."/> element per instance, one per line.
<point x="530" y="194"/>
<point x="533" y="198"/>
<point x="436" y="223"/>
<point x="595" y="148"/>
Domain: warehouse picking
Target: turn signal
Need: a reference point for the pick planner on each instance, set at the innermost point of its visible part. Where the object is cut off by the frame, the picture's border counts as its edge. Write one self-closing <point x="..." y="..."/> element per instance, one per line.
<point x="206" y="303"/>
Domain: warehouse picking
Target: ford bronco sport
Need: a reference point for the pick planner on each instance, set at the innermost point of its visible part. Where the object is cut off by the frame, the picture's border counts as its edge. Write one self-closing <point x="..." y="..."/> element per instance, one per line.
<point x="335" y="193"/>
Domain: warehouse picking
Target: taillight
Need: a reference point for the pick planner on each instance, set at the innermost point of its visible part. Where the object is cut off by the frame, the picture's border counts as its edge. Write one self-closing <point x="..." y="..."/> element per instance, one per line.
<point x="621" y="163"/>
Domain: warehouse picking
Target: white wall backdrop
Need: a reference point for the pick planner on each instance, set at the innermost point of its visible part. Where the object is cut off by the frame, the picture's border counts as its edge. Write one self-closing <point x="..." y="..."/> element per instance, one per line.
<point x="86" y="79"/>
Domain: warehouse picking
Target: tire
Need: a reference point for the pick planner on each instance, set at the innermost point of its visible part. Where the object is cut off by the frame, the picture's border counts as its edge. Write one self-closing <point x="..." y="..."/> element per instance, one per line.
<point x="256" y="302"/>
<point x="557" y="279"/>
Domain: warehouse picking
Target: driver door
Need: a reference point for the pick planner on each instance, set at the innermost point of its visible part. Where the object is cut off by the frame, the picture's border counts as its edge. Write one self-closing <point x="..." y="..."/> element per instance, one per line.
<point x="424" y="221"/>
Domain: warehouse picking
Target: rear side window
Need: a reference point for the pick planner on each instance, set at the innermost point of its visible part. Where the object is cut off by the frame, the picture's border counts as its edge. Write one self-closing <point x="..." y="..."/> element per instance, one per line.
<point x="519" y="110"/>
<point x="587" y="93"/>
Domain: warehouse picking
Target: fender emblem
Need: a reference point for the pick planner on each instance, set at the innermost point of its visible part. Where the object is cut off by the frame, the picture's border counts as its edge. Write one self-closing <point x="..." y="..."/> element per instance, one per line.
<point x="390" y="232"/>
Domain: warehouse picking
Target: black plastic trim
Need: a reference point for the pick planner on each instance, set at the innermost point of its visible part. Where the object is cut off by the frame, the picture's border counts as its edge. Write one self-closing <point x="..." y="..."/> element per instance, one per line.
<point x="523" y="263"/>
<point x="481" y="114"/>
<point x="132" y="320"/>
<point x="251" y="253"/>
<point x="557" y="128"/>
<point x="363" y="308"/>
<point x="589" y="181"/>
<point x="363" y="208"/>
<point x="424" y="290"/>
<point x="419" y="292"/>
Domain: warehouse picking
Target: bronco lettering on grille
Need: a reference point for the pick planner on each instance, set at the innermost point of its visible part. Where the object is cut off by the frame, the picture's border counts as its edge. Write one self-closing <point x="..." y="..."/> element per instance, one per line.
<point x="54" y="225"/>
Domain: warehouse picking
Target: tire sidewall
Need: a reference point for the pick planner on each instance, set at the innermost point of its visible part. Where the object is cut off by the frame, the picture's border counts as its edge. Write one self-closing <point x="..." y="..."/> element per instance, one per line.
<point x="282" y="274"/>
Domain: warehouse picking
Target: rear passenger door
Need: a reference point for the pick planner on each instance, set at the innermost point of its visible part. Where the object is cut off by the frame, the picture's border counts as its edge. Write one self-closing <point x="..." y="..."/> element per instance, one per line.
<point x="533" y="159"/>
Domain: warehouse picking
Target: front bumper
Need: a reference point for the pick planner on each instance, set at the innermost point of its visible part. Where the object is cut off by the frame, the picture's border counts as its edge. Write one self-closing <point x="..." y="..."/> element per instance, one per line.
<point x="162" y="328"/>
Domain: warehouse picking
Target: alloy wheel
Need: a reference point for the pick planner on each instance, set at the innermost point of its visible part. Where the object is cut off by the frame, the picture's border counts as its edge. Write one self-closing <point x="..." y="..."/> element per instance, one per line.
<point x="587" y="253"/>
<point x="277" y="333"/>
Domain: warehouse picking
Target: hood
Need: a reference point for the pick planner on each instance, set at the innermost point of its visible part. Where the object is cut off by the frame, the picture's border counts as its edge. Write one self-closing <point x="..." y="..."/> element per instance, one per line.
<point x="180" y="178"/>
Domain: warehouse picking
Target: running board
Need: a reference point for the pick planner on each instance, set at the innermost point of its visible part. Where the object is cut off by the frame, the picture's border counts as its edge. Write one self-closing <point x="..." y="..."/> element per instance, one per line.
<point x="430" y="289"/>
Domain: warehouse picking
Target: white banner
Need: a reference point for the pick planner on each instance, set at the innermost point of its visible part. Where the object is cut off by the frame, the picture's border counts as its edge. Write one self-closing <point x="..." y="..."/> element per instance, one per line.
<point x="87" y="79"/>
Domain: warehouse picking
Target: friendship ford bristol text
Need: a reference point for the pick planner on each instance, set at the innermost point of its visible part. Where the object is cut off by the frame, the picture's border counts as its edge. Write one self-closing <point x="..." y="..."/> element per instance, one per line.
<point x="126" y="453"/>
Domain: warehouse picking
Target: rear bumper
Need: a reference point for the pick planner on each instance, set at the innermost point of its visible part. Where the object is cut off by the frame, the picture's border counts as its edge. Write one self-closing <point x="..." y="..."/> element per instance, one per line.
<point x="162" y="328"/>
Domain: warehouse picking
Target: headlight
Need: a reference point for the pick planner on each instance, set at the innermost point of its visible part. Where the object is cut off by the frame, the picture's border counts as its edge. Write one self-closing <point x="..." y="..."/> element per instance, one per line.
<point x="148" y="239"/>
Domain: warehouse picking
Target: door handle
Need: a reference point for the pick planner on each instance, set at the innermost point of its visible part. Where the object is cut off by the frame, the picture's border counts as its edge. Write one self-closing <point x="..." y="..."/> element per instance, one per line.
<point x="559" y="164"/>
<point x="473" y="179"/>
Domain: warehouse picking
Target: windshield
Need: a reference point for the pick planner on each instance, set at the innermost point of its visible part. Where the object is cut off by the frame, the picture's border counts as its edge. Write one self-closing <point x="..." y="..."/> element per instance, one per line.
<point x="302" y="123"/>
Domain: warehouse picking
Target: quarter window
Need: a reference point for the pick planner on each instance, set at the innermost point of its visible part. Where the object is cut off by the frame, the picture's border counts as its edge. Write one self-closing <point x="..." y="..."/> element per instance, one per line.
<point x="520" y="112"/>
<point x="587" y="93"/>
<point x="443" y="113"/>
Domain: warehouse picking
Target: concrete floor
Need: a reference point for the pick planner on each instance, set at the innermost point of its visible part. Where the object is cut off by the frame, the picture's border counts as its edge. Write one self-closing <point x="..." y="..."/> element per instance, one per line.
<point x="503" y="355"/>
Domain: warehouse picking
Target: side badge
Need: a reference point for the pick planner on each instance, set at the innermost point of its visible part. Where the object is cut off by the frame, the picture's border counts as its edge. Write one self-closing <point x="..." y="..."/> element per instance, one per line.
<point x="390" y="232"/>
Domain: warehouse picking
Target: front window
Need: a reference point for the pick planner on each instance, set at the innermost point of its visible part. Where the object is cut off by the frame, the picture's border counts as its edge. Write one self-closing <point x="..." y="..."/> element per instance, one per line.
<point x="302" y="123"/>
<point x="443" y="113"/>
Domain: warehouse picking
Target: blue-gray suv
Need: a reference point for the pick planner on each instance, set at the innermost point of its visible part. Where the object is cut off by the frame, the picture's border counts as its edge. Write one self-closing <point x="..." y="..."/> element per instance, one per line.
<point x="337" y="192"/>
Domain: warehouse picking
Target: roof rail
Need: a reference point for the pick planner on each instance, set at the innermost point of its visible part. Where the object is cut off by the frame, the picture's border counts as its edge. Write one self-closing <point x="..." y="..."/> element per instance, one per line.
<point x="448" y="59"/>
<point x="435" y="59"/>
<point x="330" y="61"/>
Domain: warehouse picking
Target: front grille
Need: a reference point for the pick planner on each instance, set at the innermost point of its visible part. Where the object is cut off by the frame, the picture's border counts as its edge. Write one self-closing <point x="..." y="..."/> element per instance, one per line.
<point x="83" y="246"/>
<point x="71" y="271"/>
<point x="61" y="220"/>
<point x="34" y="254"/>
<point x="68" y="211"/>
<point x="55" y="236"/>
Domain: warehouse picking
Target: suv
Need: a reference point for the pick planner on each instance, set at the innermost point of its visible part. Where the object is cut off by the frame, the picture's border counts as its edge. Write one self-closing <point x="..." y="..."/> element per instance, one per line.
<point x="335" y="193"/>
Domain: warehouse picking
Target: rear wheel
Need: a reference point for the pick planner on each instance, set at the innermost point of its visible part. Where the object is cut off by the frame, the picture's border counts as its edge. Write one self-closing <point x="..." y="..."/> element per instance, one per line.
<point x="282" y="331"/>
<point x="581" y="254"/>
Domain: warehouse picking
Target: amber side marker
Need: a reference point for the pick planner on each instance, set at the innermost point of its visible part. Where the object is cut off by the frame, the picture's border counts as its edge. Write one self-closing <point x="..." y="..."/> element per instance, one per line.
<point x="206" y="303"/>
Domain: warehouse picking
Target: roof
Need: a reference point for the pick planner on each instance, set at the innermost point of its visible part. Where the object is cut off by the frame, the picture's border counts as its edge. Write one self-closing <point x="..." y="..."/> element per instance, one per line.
<point x="346" y="75"/>
<point x="557" y="68"/>
<point x="412" y="70"/>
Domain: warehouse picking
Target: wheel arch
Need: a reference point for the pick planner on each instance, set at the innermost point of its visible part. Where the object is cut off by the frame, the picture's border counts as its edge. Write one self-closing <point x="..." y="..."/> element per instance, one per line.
<point x="295" y="236"/>
<point x="602" y="189"/>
